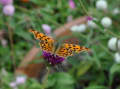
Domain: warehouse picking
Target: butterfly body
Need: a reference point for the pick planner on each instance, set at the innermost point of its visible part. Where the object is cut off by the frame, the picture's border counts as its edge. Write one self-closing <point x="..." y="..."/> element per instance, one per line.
<point x="48" y="44"/>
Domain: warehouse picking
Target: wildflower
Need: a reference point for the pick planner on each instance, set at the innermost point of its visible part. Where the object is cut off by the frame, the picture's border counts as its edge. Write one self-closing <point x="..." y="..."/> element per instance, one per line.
<point x="91" y="24"/>
<point x="46" y="28"/>
<point x="4" y="42"/>
<point x="117" y="57"/>
<point x="8" y="10"/>
<point x="106" y="21"/>
<point x="80" y="28"/>
<point x="74" y="28"/>
<point x="112" y="43"/>
<point x="71" y="4"/>
<point x="101" y="4"/>
<point x="20" y="80"/>
<point x="89" y="18"/>
<point x="52" y="59"/>
<point x="116" y="11"/>
<point x="13" y="84"/>
<point x="6" y="2"/>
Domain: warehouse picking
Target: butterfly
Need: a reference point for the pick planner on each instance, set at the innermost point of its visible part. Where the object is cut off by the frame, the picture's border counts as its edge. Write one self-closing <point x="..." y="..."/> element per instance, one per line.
<point x="47" y="44"/>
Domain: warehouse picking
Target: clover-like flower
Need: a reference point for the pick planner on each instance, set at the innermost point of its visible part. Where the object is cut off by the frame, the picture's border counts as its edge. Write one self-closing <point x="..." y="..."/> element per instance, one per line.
<point x="6" y="2"/>
<point x="52" y="59"/>
<point x="71" y="4"/>
<point x="8" y="10"/>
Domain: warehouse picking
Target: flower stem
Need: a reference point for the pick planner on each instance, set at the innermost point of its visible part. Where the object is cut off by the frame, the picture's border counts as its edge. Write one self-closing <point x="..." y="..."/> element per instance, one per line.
<point x="81" y="3"/>
<point x="10" y="33"/>
<point x="46" y="78"/>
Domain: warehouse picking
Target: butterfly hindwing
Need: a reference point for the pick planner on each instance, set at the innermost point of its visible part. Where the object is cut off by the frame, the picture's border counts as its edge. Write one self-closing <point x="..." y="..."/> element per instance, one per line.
<point x="63" y="51"/>
<point x="76" y="48"/>
<point x="68" y="49"/>
<point x="46" y="43"/>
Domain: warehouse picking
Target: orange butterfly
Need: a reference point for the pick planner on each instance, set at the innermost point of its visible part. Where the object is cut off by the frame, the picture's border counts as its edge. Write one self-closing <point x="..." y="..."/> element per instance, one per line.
<point x="47" y="44"/>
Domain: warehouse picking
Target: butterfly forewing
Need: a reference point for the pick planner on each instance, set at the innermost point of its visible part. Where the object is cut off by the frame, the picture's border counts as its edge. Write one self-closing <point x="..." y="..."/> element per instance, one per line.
<point x="46" y="43"/>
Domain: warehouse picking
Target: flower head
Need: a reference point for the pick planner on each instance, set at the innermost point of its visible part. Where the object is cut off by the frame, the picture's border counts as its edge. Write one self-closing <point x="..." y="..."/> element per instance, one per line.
<point x="91" y="24"/>
<point x="106" y="21"/>
<point x="71" y="4"/>
<point x="79" y="28"/>
<point x="116" y="11"/>
<point x="20" y="79"/>
<point x="46" y="28"/>
<point x="101" y="4"/>
<point x="13" y="84"/>
<point x="52" y="59"/>
<point x="117" y="57"/>
<point x="8" y="10"/>
<point x="89" y="18"/>
<point x="6" y="2"/>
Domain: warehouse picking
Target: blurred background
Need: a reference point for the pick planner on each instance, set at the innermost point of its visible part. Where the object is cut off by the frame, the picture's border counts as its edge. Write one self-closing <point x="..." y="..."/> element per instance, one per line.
<point x="94" y="24"/>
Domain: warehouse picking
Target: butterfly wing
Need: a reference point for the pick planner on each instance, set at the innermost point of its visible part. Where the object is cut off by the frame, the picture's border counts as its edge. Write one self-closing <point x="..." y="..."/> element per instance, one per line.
<point x="68" y="49"/>
<point x="46" y="43"/>
<point x="63" y="51"/>
<point x="76" y="48"/>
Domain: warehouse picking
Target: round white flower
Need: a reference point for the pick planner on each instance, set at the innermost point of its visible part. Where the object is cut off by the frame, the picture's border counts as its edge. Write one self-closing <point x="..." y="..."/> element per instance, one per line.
<point x="116" y="11"/>
<point x="118" y="44"/>
<point x="117" y="57"/>
<point x="91" y="24"/>
<point x="112" y="43"/>
<point x="81" y="28"/>
<point x="74" y="28"/>
<point x="106" y="21"/>
<point x="101" y="4"/>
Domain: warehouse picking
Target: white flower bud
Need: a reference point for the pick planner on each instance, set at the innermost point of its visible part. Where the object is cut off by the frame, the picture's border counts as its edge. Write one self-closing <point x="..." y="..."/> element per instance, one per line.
<point x="117" y="57"/>
<point x="80" y="28"/>
<point x="74" y="28"/>
<point x="112" y="43"/>
<point x="116" y="11"/>
<point x="91" y="24"/>
<point x="101" y="4"/>
<point x="106" y="21"/>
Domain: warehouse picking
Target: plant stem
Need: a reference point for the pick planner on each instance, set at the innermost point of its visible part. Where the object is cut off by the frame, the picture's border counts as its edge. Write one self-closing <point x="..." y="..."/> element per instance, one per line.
<point x="10" y="33"/>
<point x="46" y="78"/>
<point x="81" y="3"/>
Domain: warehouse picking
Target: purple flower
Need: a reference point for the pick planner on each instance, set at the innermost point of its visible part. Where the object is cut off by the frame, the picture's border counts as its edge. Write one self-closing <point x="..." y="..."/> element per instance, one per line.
<point x="13" y="84"/>
<point x="8" y="10"/>
<point x="52" y="59"/>
<point x="71" y="4"/>
<point x="6" y="2"/>
<point x="46" y="28"/>
<point x="20" y="79"/>
<point x="89" y="18"/>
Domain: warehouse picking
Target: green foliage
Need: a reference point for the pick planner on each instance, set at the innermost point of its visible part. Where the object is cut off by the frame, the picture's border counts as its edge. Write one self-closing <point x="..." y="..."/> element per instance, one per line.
<point x="95" y="70"/>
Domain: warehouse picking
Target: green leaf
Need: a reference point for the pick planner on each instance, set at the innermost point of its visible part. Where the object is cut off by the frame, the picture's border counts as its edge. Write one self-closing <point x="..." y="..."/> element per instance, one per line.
<point x="114" y="69"/>
<point x="83" y="68"/>
<point x="64" y="78"/>
<point x="96" y="87"/>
